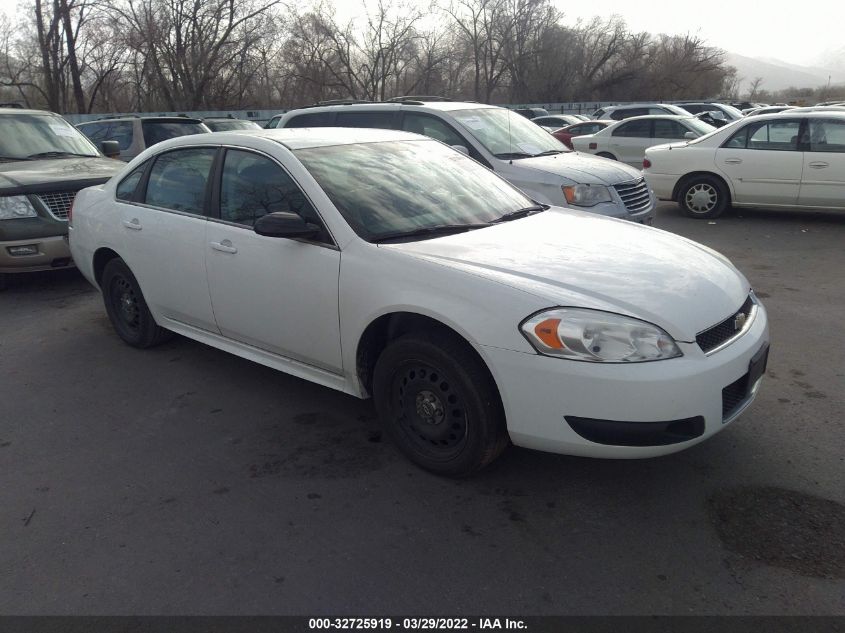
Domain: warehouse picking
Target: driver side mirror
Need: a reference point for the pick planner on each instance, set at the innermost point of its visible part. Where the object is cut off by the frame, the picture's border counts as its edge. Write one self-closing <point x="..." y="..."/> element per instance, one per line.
<point x="285" y="224"/>
<point x="690" y="135"/>
<point x="110" y="149"/>
<point x="463" y="150"/>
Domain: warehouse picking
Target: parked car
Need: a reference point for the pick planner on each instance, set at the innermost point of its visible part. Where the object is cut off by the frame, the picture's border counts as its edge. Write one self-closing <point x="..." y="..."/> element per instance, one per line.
<point x="783" y="160"/>
<point x="617" y="113"/>
<point x="627" y="140"/>
<point x="729" y="113"/>
<point x="135" y="134"/>
<point x="229" y="124"/>
<point x="768" y="110"/>
<point x="44" y="161"/>
<point x="510" y="145"/>
<point x="565" y="134"/>
<point x="462" y="342"/>
<point x="532" y="113"/>
<point x="556" y="121"/>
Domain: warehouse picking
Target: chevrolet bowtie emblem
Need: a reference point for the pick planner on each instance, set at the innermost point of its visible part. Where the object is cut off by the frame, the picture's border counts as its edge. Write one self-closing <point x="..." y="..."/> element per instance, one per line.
<point x="739" y="321"/>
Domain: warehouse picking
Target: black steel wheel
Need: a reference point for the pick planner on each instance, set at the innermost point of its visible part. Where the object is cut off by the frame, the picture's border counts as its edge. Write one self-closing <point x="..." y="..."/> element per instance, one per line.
<point x="127" y="309"/>
<point x="439" y="403"/>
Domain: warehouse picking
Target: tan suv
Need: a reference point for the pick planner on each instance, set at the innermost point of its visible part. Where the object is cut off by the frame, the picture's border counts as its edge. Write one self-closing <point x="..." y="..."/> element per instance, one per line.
<point x="135" y="134"/>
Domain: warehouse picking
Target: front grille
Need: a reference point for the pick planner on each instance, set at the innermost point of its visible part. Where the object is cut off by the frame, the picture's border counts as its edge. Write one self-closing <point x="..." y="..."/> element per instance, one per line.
<point x="733" y="396"/>
<point x="58" y="202"/>
<point x="712" y="338"/>
<point x="634" y="195"/>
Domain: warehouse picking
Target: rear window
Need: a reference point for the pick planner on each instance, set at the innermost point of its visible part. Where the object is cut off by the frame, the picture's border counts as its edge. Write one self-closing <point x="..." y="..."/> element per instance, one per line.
<point x="158" y="131"/>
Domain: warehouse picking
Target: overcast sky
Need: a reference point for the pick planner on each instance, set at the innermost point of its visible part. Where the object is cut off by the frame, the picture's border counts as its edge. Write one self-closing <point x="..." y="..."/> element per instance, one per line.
<point x="794" y="32"/>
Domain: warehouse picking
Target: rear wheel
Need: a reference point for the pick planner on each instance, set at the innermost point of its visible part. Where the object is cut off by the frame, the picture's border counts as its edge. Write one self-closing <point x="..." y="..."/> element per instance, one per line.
<point x="439" y="404"/>
<point x="703" y="197"/>
<point x="127" y="309"/>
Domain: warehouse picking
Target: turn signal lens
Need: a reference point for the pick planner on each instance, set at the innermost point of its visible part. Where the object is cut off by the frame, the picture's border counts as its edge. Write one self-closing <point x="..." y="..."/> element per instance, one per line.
<point x="546" y="331"/>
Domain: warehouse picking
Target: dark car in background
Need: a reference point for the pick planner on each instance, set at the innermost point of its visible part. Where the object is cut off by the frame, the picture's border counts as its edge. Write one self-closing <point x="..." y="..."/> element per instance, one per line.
<point x="135" y="134"/>
<point x="229" y="124"/>
<point x="44" y="162"/>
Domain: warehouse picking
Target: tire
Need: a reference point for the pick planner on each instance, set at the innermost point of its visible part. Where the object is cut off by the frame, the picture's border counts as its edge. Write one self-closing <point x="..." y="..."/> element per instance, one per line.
<point x="703" y="197"/>
<point x="439" y="404"/>
<point x="127" y="309"/>
<point x="4" y="281"/>
<point x="606" y="155"/>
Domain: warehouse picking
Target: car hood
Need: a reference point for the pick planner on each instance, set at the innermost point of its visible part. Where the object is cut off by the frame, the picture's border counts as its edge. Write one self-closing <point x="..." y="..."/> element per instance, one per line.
<point x="579" y="259"/>
<point x="584" y="168"/>
<point x="29" y="176"/>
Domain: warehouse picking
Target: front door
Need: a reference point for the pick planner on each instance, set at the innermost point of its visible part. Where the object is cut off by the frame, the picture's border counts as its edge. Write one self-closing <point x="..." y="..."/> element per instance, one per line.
<point x="763" y="162"/>
<point x="277" y="294"/>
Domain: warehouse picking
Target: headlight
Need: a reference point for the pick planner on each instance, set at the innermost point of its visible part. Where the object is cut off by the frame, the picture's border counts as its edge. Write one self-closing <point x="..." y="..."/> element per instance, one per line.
<point x="598" y="337"/>
<point x="13" y="207"/>
<point x="586" y="195"/>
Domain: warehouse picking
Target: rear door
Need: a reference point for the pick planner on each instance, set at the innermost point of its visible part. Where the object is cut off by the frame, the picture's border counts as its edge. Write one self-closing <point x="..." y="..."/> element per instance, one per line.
<point x="823" y="178"/>
<point x="163" y="216"/>
<point x="763" y="162"/>
<point x="629" y="140"/>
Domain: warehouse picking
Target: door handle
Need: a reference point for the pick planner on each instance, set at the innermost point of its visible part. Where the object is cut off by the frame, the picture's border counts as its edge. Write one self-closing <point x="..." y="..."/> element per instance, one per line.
<point x="819" y="165"/>
<point x="733" y="161"/>
<point x="224" y="247"/>
<point x="134" y="224"/>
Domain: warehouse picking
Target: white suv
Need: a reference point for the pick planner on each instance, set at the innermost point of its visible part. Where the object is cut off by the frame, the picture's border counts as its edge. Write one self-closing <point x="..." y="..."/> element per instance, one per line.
<point x="617" y="113"/>
<point x="509" y="144"/>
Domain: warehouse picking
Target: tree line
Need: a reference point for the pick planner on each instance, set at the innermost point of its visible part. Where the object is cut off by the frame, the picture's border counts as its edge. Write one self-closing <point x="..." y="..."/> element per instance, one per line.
<point x="146" y="55"/>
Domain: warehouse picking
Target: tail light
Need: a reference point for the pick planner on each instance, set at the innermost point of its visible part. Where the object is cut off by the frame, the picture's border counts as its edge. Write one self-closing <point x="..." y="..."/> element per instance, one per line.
<point x="646" y="163"/>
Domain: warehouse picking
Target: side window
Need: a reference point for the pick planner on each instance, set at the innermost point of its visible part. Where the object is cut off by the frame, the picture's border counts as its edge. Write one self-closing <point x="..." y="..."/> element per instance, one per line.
<point x="433" y="128"/>
<point x="126" y="188"/>
<point x="738" y="140"/>
<point x="178" y="180"/>
<point x="827" y="136"/>
<point x="383" y="119"/>
<point x="778" y="135"/>
<point x="312" y="119"/>
<point x="637" y="129"/>
<point x="120" y="131"/>
<point x="94" y="131"/>
<point x="692" y="108"/>
<point x="666" y="128"/>
<point x="253" y="186"/>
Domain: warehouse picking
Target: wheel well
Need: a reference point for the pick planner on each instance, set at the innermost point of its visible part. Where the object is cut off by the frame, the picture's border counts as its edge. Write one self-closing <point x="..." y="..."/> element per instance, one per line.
<point x="683" y="181"/>
<point x="389" y="327"/>
<point x="102" y="257"/>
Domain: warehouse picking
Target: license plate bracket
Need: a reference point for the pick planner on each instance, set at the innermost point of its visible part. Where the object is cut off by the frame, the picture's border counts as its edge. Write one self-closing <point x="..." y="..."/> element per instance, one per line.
<point x="757" y="367"/>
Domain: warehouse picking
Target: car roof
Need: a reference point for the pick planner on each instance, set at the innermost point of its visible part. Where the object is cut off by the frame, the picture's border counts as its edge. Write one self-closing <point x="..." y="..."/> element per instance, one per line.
<point x="302" y="138"/>
<point x="181" y="119"/>
<point x="646" y="117"/>
<point x="26" y="111"/>
<point x="444" y="106"/>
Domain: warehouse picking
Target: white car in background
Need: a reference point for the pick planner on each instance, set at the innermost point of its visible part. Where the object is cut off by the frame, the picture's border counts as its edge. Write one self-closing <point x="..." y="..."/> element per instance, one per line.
<point x="386" y="264"/>
<point x="619" y="112"/>
<point x="627" y="140"/>
<point x="786" y="160"/>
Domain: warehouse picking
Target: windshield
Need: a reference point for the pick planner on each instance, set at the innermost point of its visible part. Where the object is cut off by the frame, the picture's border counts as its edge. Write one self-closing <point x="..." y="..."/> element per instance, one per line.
<point x="397" y="186"/>
<point x="27" y="136"/>
<point x="506" y="134"/>
<point x="232" y="124"/>
<point x="699" y="126"/>
<point x="731" y="112"/>
<point x="716" y="130"/>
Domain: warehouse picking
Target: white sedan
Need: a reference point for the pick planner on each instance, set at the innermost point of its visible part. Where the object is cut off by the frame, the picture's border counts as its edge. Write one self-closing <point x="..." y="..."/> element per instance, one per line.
<point x="791" y="160"/>
<point x="386" y="264"/>
<point x="628" y="139"/>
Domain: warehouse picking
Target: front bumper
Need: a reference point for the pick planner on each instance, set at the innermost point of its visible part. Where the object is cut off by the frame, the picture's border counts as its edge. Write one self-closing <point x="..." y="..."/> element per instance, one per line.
<point x="51" y="252"/>
<point x="539" y="393"/>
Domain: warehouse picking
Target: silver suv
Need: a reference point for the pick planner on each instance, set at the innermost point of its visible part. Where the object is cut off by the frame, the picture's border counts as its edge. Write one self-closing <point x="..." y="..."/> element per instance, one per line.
<point x="135" y="134"/>
<point x="509" y="144"/>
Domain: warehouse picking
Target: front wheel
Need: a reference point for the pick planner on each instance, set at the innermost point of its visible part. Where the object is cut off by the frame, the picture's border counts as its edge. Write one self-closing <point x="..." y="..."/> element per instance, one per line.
<point x="703" y="197"/>
<point x="439" y="404"/>
<point x="127" y="309"/>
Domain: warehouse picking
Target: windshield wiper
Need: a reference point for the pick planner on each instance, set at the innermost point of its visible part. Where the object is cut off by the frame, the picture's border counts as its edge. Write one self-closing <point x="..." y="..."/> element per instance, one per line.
<point x="430" y="231"/>
<point x="513" y="155"/>
<point x="54" y="154"/>
<point x="550" y="152"/>
<point x="521" y="213"/>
